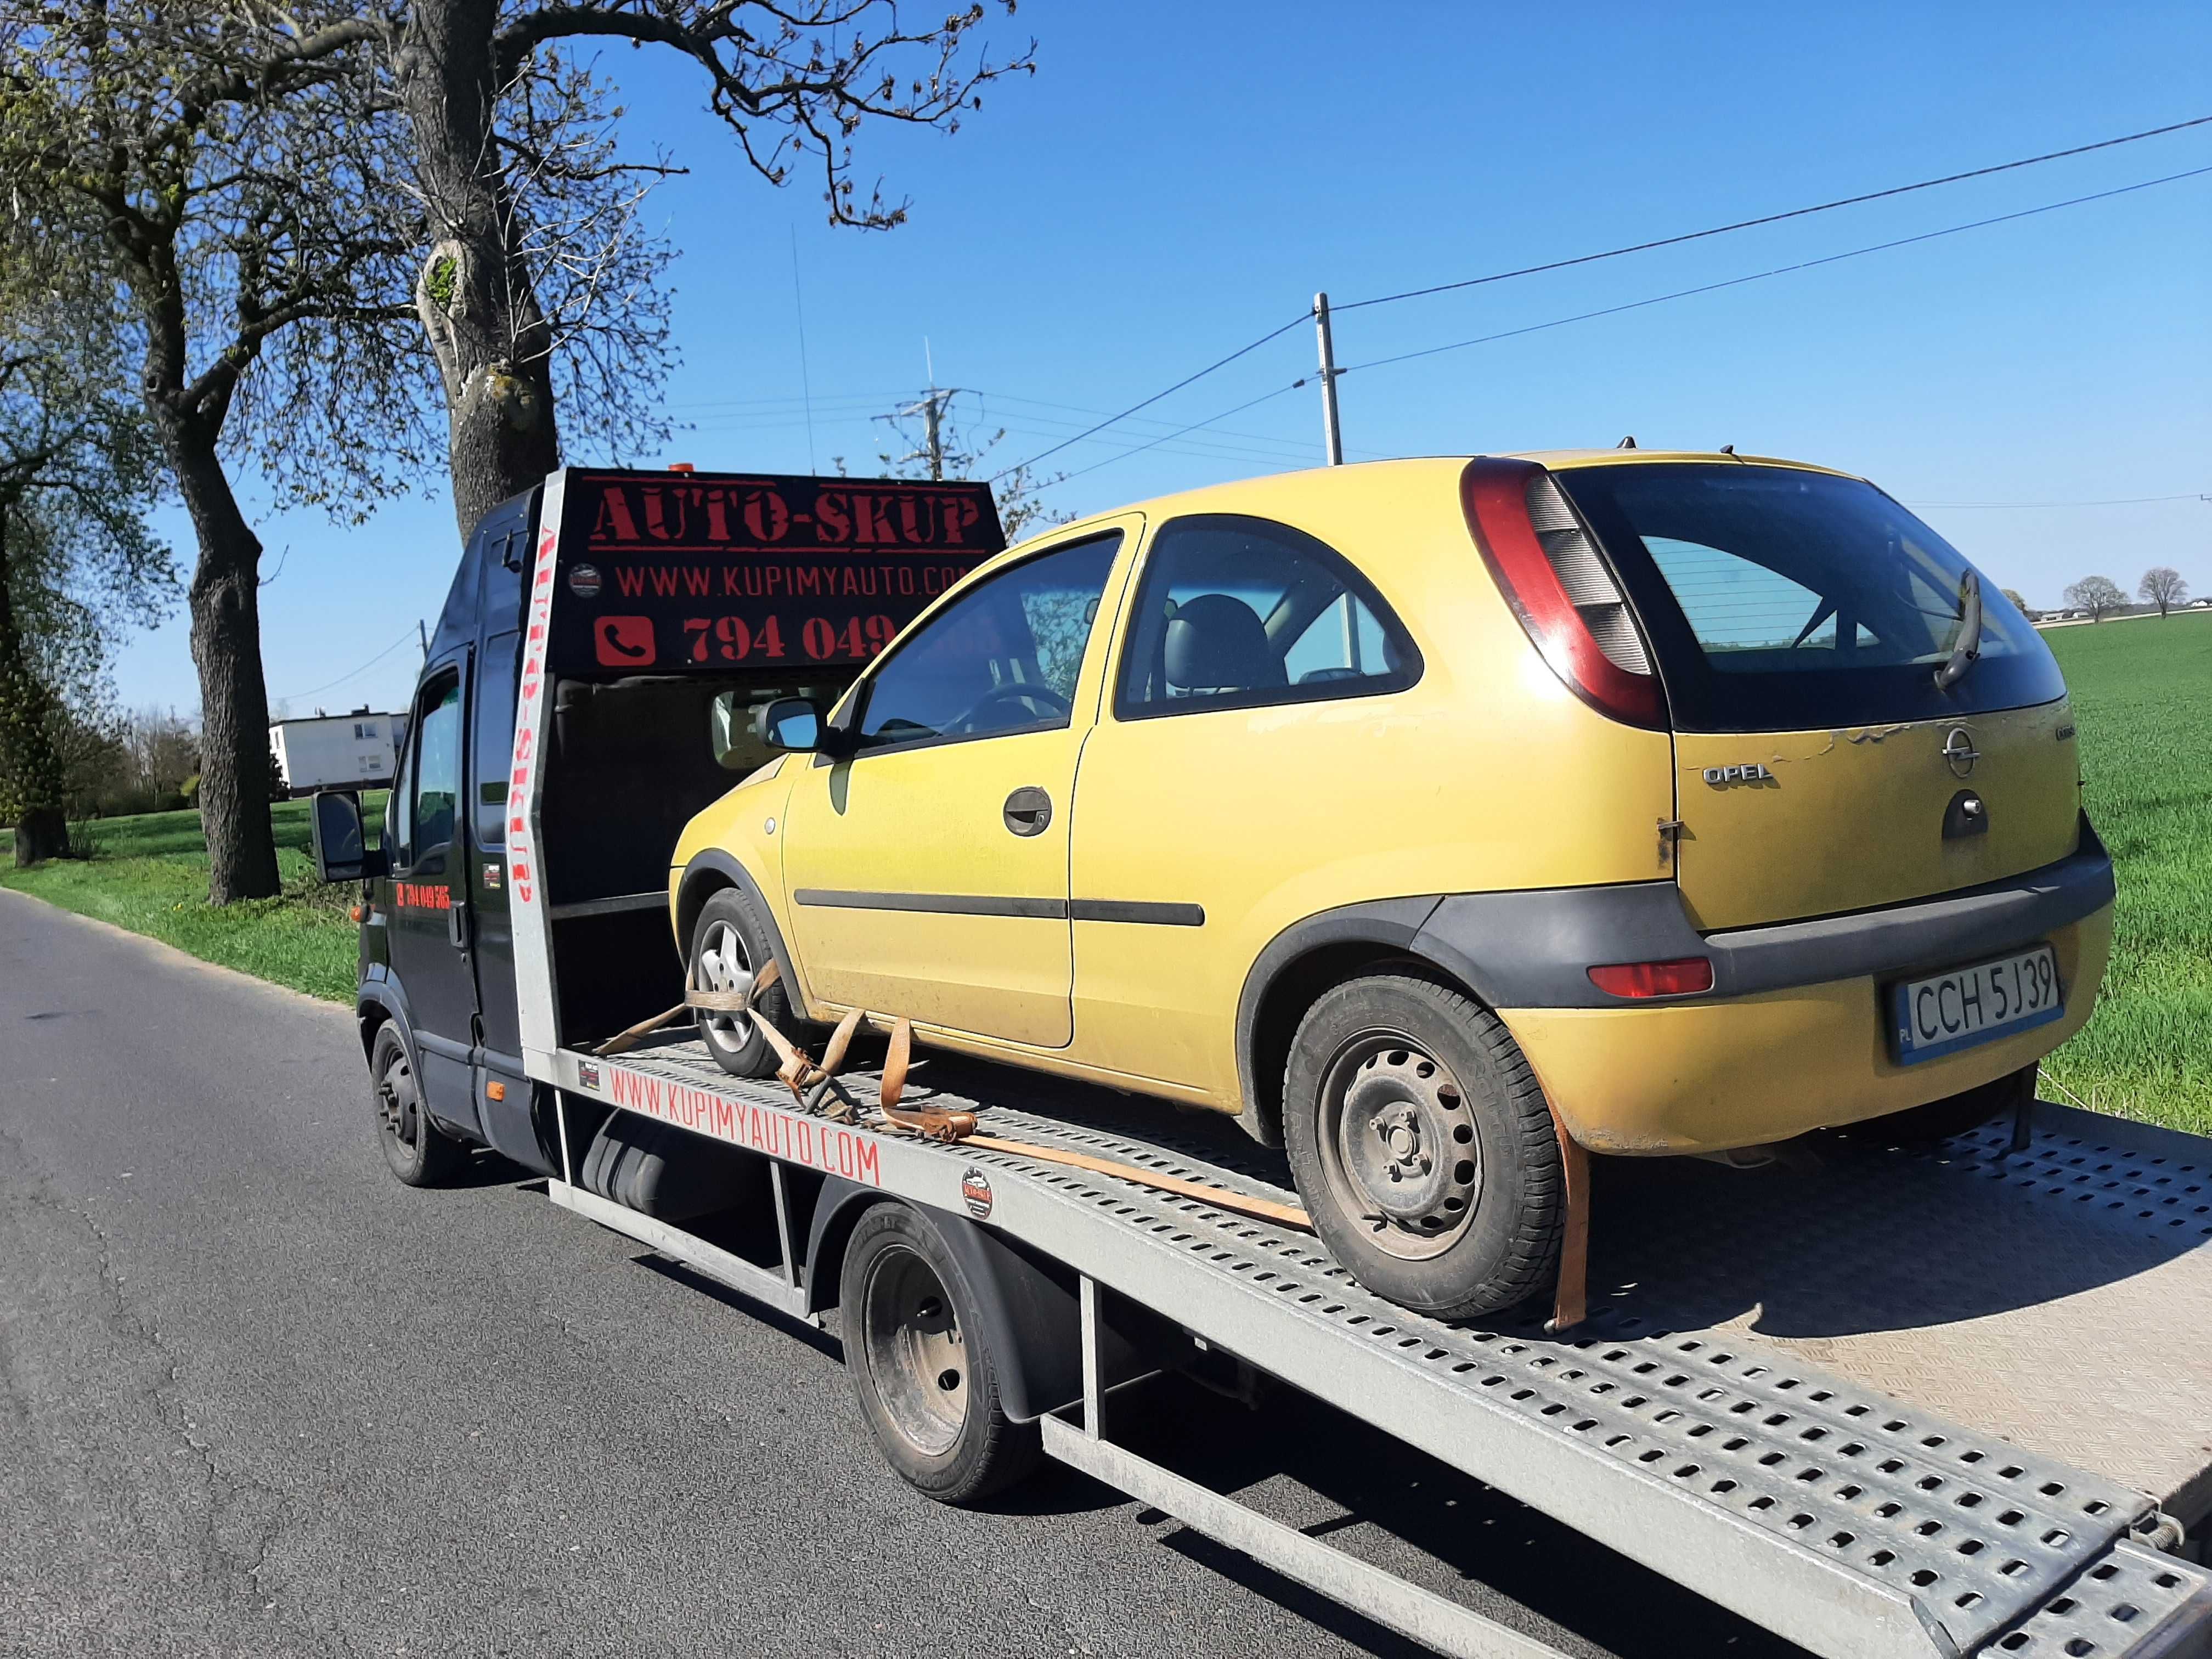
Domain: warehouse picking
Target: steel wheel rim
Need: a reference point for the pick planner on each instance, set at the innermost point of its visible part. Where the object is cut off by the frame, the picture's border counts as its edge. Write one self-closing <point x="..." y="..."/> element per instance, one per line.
<point x="721" y="959"/>
<point x="1399" y="1145"/>
<point x="398" y="1104"/>
<point x="914" y="1351"/>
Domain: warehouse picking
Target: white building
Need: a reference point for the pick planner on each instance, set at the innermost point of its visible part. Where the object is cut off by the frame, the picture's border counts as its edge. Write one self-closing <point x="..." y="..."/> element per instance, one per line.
<point x="336" y="751"/>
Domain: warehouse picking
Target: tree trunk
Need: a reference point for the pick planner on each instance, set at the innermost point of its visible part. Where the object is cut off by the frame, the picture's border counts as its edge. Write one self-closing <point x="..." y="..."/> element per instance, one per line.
<point x="475" y="297"/>
<point x="40" y="833"/>
<point x="226" y="609"/>
<point x="30" y="765"/>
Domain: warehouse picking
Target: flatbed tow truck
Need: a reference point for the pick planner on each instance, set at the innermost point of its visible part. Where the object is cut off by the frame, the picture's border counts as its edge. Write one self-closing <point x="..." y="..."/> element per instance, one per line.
<point x="1886" y="1404"/>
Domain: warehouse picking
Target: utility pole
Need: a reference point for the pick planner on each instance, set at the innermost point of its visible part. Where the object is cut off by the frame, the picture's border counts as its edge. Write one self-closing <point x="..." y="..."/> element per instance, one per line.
<point x="1331" y="429"/>
<point x="423" y="634"/>
<point x="931" y="407"/>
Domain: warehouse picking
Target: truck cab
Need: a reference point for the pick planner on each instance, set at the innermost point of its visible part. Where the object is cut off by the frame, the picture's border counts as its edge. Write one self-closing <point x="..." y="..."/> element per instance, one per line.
<point x="668" y="610"/>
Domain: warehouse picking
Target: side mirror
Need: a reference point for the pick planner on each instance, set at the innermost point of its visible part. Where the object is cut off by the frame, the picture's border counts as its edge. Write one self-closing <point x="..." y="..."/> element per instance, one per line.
<point x="341" y="850"/>
<point x="791" y="724"/>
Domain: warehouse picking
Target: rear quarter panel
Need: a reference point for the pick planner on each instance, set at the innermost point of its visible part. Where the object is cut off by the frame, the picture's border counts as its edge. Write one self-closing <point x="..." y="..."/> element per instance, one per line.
<point x="1487" y="773"/>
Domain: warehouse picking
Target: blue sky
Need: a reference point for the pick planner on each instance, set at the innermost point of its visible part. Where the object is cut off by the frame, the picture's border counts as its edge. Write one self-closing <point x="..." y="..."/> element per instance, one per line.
<point x="1178" y="179"/>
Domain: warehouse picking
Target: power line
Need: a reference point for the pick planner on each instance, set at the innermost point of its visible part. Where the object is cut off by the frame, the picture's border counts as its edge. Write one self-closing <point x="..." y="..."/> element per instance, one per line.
<point x="1193" y="427"/>
<point x="1776" y="218"/>
<point x="1224" y="362"/>
<point x="294" y="696"/>
<point x="1779" y="270"/>
<point x="2117" y="500"/>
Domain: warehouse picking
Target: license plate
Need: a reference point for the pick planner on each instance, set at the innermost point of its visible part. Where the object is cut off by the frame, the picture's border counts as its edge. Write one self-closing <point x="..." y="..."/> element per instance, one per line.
<point x="1946" y="1013"/>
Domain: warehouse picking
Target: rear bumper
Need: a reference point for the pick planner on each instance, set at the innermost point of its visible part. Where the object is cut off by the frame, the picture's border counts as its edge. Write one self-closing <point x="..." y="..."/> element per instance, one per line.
<point x="1534" y="950"/>
<point x="1707" y="1075"/>
<point x="1794" y="1035"/>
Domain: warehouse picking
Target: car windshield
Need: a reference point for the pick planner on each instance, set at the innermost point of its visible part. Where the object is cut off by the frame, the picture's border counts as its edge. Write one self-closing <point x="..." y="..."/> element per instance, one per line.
<point x="1779" y="598"/>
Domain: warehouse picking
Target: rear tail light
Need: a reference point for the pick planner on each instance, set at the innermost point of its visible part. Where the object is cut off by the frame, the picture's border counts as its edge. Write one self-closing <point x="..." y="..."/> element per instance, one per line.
<point x="1550" y="571"/>
<point x="1683" y="976"/>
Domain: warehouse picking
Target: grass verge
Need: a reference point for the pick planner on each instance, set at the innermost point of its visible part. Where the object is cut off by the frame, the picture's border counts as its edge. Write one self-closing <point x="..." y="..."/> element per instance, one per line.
<point x="2140" y="696"/>
<point x="150" y="874"/>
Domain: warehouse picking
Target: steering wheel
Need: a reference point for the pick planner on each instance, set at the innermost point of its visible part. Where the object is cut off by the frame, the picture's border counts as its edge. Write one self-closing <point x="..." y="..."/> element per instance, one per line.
<point x="1020" y="691"/>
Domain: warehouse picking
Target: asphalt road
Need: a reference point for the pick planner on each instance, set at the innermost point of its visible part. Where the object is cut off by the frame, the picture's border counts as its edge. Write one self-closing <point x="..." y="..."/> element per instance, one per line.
<point x="256" y="1397"/>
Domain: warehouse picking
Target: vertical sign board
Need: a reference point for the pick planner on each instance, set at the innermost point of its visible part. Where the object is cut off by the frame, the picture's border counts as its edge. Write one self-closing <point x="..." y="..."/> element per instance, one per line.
<point x="722" y="574"/>
<point x="533" y="938"/>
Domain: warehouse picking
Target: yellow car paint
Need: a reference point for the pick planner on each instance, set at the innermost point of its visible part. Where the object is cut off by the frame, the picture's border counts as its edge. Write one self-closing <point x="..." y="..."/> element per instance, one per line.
<point x="1486" y="775"/>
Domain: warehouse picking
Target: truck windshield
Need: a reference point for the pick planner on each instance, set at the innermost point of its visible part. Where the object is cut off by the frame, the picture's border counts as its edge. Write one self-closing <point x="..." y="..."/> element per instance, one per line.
<point x="1779" y="600"/>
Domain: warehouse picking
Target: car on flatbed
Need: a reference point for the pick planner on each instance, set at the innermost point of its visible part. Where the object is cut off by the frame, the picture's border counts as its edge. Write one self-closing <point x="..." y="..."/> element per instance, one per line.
<point x="1438" y="819"/>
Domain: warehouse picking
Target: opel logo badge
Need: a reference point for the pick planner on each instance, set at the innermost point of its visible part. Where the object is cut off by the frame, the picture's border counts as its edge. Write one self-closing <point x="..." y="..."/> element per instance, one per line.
<point x="1959" y="752"/>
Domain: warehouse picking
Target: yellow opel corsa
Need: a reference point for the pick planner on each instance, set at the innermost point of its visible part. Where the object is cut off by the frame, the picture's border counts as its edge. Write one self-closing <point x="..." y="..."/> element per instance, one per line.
<point x="1422" y="813"/>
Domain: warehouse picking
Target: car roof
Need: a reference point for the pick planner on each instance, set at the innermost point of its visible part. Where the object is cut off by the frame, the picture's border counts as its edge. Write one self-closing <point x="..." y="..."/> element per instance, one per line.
<point x="1274" y="493"/>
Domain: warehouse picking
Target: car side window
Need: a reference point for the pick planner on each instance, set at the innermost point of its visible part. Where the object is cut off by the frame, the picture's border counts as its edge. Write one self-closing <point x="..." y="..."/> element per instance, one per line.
<point x="437" y="782"/>
<point x="1238" y="612"/>
<point x="1000" y="659"/>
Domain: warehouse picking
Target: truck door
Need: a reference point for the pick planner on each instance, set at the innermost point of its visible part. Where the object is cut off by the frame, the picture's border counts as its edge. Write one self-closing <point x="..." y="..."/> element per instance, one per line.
<point x="429" y="937"/>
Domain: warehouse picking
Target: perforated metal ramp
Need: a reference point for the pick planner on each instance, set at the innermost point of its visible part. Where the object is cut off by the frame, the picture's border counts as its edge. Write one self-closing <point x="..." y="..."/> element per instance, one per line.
<point x="1737" y="1416"/>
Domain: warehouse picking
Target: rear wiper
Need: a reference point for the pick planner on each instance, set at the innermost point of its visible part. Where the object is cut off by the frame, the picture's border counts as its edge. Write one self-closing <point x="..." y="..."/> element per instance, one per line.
<point x="1969" y="646"/>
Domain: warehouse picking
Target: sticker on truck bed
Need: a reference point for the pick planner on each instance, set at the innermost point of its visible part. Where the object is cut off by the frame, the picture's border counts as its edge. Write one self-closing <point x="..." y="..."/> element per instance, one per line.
<point x="791" y="1136"/>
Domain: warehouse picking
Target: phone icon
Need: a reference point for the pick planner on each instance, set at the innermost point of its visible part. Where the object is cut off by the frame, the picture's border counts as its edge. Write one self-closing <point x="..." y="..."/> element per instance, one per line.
<point x="623" y="642"/>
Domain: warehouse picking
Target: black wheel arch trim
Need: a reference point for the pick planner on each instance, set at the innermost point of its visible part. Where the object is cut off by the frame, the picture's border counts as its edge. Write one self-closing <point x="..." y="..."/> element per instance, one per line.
<point x="698" y="873"/>
<point x="1533" y="948"/>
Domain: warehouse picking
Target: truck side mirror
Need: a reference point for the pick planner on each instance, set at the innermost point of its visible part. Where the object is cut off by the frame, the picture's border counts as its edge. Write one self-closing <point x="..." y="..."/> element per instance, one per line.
<point x="791" y="724"/>
<point x="341" y="852"/>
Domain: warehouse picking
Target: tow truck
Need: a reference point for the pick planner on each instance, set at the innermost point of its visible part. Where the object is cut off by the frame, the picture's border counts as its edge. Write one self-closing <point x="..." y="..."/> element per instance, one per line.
<point x="1886" y="1403"/>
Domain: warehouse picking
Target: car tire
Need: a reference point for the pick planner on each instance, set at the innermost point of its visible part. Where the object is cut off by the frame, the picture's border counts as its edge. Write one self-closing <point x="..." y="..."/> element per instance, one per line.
<point x="1955" y="1114"/>
<point x="1423" y="1149"/>
<point x="727" y="924"/>
<point x="420" y="1153"/>
<point x="928" y="1381"/>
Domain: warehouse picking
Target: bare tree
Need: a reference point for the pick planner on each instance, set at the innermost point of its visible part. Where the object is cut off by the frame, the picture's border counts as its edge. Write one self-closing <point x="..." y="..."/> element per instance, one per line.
<point x="241" y="165"/>
<point x="2163" y="586"/>
<point x="2020" y="602"/>
<point x="2096" y="595"/>
<point x="77" y="564"/>
<point x="536" y="270"/>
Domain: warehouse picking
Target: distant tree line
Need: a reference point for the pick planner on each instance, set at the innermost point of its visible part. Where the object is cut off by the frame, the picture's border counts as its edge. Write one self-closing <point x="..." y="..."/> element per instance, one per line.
<point x="2099" y="596"/>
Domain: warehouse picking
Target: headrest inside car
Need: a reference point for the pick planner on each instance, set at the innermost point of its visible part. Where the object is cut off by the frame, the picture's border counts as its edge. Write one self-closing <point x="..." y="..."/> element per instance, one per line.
<point x="1215" y="643"/>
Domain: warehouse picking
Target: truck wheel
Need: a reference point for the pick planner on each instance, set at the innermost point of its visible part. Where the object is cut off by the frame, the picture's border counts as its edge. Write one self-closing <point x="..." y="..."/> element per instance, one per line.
<point x="726" y="941"/>
<point x="929" y="1384"/>
<point x="1953" y="1115"/>
<point x="420" y="1153"/>
<point x="1421" y="1144"/>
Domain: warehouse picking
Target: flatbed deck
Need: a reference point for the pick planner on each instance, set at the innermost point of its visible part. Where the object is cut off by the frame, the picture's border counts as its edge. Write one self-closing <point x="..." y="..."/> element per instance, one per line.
<point x="1879" y="1402"/>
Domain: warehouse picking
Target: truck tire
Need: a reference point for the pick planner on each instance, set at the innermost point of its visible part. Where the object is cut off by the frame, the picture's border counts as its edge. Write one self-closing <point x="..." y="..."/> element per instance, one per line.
<point x="420" y="1153"/>
<point x="1423" y="1147"/>
<point x="1953" y="1115"/>
<point x="727" y="938"/>
<point x="928" y="1382"/>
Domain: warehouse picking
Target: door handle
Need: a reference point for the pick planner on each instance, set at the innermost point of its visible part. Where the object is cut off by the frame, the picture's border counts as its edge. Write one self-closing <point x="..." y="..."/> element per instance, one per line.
<point x="457" y="924"/>
<point x="1028" y="811"/>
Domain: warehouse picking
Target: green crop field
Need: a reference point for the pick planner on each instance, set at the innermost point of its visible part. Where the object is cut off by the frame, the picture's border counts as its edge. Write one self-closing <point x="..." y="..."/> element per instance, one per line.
<point x="2142" y="697"/>
<point x="150" y="874"/>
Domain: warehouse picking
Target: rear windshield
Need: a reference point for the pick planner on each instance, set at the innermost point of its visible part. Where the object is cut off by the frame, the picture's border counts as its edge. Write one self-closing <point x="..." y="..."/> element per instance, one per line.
<point x="1777" y="600"/>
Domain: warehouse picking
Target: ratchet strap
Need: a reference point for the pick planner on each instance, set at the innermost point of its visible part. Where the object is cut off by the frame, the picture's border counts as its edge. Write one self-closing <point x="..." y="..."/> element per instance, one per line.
<point x="814" y="1085"/>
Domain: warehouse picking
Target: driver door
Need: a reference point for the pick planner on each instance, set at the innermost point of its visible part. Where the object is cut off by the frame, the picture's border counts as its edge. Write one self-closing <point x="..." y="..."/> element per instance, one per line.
<point x="927" y="874"/>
